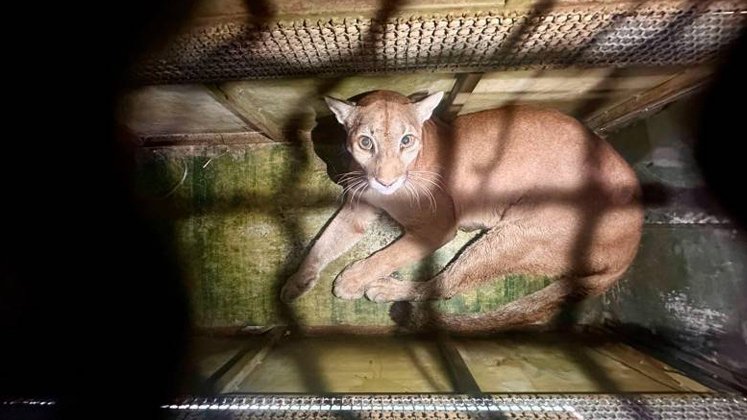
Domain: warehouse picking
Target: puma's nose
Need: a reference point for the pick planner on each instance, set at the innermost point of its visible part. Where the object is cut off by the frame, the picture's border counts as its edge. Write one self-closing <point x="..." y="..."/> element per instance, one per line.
<point x="386" y="183"/>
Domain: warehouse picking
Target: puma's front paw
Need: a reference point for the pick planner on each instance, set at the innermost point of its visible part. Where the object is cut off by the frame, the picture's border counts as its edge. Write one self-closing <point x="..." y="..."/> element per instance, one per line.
<point x="351" y="283"/>
<point x="389" y="290"/>
<point x="297" y="285"/>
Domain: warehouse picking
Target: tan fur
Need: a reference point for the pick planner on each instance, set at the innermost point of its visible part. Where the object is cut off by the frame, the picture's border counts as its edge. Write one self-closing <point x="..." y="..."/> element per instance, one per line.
<point x="552" y="198"/>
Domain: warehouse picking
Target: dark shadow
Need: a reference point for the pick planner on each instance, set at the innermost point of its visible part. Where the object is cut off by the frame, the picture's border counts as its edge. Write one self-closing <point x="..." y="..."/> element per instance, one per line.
<point x="719" y="121"/>
<point x="684" y="350"/>
<point x="720" y="161"/>
<point x="92" y="299"/>
<point x="328" y="139"/>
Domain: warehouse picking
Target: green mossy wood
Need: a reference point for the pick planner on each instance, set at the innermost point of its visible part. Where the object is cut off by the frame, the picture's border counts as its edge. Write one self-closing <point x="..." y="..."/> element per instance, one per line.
<point x="239" y="228"/>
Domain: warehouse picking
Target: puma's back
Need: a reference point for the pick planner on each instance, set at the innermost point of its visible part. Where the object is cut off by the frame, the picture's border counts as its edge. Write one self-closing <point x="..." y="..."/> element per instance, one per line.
<point x="539" y="156"/>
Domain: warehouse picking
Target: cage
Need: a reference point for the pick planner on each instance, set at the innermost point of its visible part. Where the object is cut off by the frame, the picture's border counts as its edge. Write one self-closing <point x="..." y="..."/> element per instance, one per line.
<point x="234" y="163"/>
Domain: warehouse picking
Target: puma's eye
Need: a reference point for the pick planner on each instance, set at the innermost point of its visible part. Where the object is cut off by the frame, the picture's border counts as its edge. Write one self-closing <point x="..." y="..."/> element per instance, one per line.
<point x="366" y="143"/>
<point x="407" y="140"/>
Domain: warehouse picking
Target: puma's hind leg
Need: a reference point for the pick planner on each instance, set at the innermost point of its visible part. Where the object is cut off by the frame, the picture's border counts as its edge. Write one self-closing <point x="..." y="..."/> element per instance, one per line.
<point x="508" y="249"/>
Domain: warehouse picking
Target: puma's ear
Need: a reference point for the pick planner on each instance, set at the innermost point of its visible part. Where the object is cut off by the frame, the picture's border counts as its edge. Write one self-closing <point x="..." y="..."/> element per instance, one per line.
<point x="424" y="108"/>
<point x="341" y="109"/>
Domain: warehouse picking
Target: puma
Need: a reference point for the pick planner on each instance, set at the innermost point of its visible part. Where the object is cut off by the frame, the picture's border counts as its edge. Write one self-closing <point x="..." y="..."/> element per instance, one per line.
<point x="551" y="198"/>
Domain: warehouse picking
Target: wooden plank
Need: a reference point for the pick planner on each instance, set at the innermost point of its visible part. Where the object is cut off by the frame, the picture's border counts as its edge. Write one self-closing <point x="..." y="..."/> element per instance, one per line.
<point x="352" y="364"/>
<point x="685" y="83"/>
<point x="169" y="109"/>
<point x="478" y="100"/>
<point x="464" y="85"/>
<point x="207" y="9"/>
<point x="569" y="104"/>
<point x="276" y="105"/>
<point x="241" y="367"/>
<point x="650" y="367"/>
<point x="575" y="79"/>
<point x="240" y="9"/>
<point x="549" y="362"/>
<point x="230" y="96"/>
<point x="704" y="371"/>
<point x="217" y="93"/>
<point x="565" y="89"/>
<point x="205" y="139"/>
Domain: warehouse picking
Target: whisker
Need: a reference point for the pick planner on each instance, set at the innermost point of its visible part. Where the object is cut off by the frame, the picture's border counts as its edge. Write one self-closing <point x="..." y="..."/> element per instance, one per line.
<point x="432" y="178"/>
<point x="352" y="185"/>
<point x="350" y="172"/>
<point x="428" y="194"/>
<point x="412" y="194"/>
<point x="352" y="180"/>
<point x="348" y="175"/>
<point x="430" y="181"/>
<point x="351" y="192"/>
<point x="427" y="172"/>
<point x="430" y="173"/>
<point x="359" y="190"/>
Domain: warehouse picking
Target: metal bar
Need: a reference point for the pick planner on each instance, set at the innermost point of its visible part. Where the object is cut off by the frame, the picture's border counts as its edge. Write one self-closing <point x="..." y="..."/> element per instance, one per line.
<point x="406" y="406"/>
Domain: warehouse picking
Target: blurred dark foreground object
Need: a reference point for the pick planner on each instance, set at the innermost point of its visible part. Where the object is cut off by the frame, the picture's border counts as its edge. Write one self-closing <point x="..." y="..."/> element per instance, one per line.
<point x="722" y="131"/>
<point x="93" y="312"/>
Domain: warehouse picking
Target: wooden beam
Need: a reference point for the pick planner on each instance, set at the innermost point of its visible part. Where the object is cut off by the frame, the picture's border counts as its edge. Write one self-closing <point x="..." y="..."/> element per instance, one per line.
<point x="463" y="87"/>
<point x="650" y="101"/>
<point x="224" y="10"/>
<point x="205" y="139"/>
<point x="209" y="384"/>
<point x="217" y="9"/>
<point x="249" y="113"/>
<point x="461" y="376"/>
<point x="241" y="367"/>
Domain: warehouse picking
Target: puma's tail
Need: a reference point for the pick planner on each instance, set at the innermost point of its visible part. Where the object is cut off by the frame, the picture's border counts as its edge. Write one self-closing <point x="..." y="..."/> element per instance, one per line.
<point x="536" y="309"/>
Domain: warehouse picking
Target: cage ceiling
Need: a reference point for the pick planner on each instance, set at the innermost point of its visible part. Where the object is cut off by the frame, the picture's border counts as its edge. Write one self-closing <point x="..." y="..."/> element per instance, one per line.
<point x="225" y="41"/>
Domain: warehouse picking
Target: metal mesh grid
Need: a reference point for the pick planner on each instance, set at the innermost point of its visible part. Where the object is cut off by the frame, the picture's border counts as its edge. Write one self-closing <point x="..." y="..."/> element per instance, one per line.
<point x="595" y="35"/>
<point x="586" y="406"/>
<point x="535" y="406"/>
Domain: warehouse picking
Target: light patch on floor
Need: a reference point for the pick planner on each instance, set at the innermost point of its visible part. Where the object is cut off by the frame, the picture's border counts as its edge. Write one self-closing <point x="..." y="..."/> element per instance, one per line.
<point x="351" y="364"/>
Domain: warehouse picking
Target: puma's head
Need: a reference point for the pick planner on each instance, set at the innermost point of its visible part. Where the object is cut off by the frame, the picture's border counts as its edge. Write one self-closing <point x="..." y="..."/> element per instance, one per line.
<point x="384" y="134"/>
